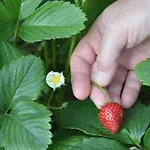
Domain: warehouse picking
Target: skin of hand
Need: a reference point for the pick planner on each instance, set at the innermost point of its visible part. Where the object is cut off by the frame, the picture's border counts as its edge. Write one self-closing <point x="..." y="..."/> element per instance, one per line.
<point x="108" y="53"/>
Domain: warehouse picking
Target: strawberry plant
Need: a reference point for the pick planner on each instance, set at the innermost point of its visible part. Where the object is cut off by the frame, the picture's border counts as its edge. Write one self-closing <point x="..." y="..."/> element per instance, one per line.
<point x="37" y="38"/>
<point x="25" y="122"/>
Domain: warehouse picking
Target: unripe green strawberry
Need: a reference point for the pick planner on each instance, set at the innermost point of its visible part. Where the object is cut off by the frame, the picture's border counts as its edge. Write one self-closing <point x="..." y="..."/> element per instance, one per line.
<point x="111" y="116"/>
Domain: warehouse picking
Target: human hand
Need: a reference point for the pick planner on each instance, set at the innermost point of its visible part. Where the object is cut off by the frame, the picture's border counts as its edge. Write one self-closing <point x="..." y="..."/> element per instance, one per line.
<point x="108" y="53"/>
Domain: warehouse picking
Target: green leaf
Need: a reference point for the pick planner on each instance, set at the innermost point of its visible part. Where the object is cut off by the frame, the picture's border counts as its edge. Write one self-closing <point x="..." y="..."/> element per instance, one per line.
<point x="147" y="139"/>
<point x="6" y="23"/>
<point x="6" y="31"/>
<point x="142" y="71"/>
<point x="26" y="127"/>
<point x="62" y="133"/>
<point x="83" y="116"/>
<point x="28" y="7"/>
<point x="13" y="7"/>
<point x="136" y="122"/>
<point x="86" y="143"/>
<point x="21" y="79"/>
<point x="7" y="53"/>
<point x="52" y="20"/>
<point x="21" y="9"/>
<point x="98" y="6"/>
<point x="7" y="17"/>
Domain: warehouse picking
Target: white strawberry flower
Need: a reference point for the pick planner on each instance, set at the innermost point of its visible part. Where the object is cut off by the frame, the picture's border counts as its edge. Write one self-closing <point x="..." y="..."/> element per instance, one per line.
<point x="55" y="79"/>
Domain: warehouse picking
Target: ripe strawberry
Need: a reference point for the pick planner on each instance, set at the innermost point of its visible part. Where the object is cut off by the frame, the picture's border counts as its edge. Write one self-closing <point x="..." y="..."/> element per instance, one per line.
<point x="111" y="116"/>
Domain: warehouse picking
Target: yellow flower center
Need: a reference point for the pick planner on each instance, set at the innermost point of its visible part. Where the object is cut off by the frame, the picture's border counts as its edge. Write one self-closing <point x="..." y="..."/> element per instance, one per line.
<point x="55" y="79"/>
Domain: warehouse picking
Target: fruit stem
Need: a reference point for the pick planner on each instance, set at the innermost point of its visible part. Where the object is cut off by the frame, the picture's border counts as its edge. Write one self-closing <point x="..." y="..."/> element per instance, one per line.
<point x="102" y="90"/>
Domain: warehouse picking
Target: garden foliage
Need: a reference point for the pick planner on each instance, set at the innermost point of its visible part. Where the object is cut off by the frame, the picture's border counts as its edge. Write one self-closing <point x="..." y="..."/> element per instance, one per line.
<point x="35" y="37"/>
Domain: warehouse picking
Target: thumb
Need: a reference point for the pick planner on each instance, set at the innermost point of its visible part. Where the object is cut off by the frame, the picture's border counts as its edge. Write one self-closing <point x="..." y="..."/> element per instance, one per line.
<point x="112" y="43"/>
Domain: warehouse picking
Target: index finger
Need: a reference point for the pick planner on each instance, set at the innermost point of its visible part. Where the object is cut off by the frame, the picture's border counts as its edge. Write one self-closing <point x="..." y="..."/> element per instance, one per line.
<point x="82" y="58"/>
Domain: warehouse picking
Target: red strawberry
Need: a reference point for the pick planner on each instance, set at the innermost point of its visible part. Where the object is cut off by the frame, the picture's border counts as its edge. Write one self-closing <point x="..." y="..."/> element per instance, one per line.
<point x="111" y="116"/>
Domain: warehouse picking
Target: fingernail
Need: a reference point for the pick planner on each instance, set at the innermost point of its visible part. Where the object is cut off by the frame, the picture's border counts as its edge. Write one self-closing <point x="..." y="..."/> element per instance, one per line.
<point x="100" y="77"/>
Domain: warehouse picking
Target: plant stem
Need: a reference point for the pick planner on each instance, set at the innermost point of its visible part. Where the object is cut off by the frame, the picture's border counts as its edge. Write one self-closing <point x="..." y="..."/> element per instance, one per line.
<point x="46" y="55"/>
<point x="136" y="143"/>
<point x="77" y="3"/>
<point x="16" y="33"/>
<point x="72" y="45"/>
<point x="54" y="54"/>
<point x="63" y="105"/>
<point x="102" y="90"/>
<point x="61" y="96"/>
<point x="50" y="98"/>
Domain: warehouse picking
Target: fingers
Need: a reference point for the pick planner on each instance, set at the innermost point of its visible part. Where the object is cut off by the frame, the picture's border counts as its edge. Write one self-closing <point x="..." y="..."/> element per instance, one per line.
<point x="131" y="90"/>
<point x="113" y="42"/>
<point x="129" y="94"/>
<point x="97" y="97"/>
<point x="80" y="70"/>
<point x="130" y="57"/>
<point x="116" y="85"/>
<point x="81" y="61"/>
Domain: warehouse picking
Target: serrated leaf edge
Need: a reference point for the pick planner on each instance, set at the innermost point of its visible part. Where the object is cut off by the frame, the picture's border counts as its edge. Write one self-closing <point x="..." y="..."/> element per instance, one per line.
<point x="135" y="71"/>
<point x="141" y="80"/>
<point x="78" y="32"/>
